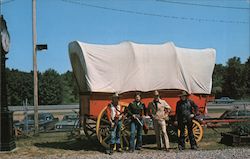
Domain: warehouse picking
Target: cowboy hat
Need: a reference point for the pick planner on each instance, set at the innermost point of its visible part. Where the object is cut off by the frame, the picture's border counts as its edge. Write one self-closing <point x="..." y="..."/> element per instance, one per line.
<point x="115" y="95"/>
<point x="183" y="93"/>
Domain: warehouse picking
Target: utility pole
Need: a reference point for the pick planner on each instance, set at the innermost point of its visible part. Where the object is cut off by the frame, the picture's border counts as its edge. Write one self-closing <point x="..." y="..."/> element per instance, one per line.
<point x="35" y="67"/>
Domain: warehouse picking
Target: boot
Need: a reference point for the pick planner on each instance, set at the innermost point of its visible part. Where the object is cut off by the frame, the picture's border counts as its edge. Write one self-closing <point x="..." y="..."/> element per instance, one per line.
<point x="118" y="148"/>
<point x="181" y="148"/>
<point x="111" y="149"/>
<point x="194" y="147"/>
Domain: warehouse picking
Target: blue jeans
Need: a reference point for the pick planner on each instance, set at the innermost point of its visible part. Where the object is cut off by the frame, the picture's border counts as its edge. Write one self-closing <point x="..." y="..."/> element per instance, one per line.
<point x="115" y="133"/>
<point x="135" y="126"/>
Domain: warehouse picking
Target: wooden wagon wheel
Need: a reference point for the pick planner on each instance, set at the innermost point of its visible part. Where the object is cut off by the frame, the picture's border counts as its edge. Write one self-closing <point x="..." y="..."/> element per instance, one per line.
<point x="103" y="129"/>
<point x="89" y="127"/>
<point x="197" y="130"/>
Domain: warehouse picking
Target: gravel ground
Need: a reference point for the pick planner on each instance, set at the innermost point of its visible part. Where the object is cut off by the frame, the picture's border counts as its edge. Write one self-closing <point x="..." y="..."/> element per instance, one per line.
<point x="235" y="153"/>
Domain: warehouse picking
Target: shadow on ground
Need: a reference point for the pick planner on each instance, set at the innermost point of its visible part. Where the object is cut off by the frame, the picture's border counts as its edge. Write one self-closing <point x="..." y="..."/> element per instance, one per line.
<point x="75" y="145"/>
<point x="58" y="141"/>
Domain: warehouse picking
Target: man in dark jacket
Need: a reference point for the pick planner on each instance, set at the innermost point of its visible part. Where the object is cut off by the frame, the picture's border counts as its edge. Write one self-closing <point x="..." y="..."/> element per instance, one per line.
<point x="185" y="111"/>
<point x="135" y="111"/>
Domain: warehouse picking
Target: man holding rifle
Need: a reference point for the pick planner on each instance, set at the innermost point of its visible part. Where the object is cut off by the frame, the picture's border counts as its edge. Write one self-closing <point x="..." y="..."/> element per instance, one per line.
<point x="135" y="112"/>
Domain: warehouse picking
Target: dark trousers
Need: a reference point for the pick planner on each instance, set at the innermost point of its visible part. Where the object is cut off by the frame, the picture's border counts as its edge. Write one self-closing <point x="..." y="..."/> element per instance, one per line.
<point x="181" y="139"/>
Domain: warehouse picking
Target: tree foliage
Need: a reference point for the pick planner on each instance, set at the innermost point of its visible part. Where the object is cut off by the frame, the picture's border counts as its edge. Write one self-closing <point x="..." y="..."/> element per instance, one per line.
<point x="233" y="79"/>
<point x="234" y="86"/>
<point x="19" y="87"/>
<point x="247" y="77"/>
<point x="70" y="90"/>
<point x="218" y="79"/>
<point x="50" y="88"/>
<point x="53" y="88"/>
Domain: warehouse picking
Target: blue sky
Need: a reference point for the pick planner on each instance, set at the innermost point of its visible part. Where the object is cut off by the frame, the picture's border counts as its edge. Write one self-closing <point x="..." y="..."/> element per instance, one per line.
<point x="224" y="28"/>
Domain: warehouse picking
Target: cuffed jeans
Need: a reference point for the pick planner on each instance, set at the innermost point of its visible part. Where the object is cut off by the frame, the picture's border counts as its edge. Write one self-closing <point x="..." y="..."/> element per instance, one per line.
<point x="135" y="126"/>
<point x="115" y="133"/>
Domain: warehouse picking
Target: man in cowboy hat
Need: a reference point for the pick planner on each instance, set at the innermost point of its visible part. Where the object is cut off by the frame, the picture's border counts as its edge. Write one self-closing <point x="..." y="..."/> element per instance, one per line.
<point x="185" y="110"/>
<point x="114" y="114"/>
<point x="159" y="110"/>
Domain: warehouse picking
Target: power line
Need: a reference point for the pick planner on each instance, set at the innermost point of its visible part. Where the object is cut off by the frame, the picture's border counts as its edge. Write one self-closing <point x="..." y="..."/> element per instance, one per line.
<point x="153" y="14"/>
<point x="5" y="2"/>
<point x="203" y="5"/>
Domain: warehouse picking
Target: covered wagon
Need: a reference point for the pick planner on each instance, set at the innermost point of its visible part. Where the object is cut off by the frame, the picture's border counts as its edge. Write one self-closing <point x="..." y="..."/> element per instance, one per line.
<point x="127" y="67"/>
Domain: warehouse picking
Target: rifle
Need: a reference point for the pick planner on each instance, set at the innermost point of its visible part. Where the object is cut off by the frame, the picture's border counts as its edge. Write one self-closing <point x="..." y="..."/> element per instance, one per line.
<point x="135" y="116"/>
<point x="138" y="120"/>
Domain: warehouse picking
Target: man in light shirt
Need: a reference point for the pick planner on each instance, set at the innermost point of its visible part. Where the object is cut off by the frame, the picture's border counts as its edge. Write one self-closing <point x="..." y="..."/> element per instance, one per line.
<point x="159" y="110"/>
<point x="114" y="114"/>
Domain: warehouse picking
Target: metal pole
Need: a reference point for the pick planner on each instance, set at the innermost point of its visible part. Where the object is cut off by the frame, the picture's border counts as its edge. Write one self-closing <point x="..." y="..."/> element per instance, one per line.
<point x="35" y="67"/>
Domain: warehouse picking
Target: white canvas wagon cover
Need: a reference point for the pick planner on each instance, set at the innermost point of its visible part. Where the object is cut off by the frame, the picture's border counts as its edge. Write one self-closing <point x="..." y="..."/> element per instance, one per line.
<point x="130" y="66"/>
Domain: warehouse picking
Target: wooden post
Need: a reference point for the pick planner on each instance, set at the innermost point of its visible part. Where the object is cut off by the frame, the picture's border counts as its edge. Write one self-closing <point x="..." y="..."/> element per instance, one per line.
<point x="35" y="67"/>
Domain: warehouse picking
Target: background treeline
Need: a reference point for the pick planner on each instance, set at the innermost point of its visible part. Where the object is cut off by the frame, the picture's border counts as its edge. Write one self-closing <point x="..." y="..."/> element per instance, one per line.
<point x="232" y="80"/>
<point x="53" y="88"/>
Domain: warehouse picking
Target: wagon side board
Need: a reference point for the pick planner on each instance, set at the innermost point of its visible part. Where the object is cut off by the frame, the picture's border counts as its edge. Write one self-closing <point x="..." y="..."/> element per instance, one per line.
<point x="91" y="104"/>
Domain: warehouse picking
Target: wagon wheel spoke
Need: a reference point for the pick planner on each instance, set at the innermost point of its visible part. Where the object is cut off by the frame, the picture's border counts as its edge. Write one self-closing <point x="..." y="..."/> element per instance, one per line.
<point x="102" y="128"/>
<point x="195" y="127"/>
<point x="107" y="137"/>
<point x="103" y="135"/>
<point x="197" y="131"/>
<point x="125" y="132"/>
<point x="186" y="132"/>
<point x="105" y="121"/>
<point x="89" y="127"/>
<point x="125" y="140"/>
<point x="196" y="136"/>
<point x="105" y="140"/>
<point x="93" y="132"/>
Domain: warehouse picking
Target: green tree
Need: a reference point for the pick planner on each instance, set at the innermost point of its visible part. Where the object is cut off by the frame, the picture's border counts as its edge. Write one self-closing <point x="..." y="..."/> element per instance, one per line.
<point x="70" y="89"/>
<point x="234" y="85"/>
<point x="218" y="79"/>
<point x="247" y="77"/>
<point x="50" y="88"/>
<point x="19" y="87"/>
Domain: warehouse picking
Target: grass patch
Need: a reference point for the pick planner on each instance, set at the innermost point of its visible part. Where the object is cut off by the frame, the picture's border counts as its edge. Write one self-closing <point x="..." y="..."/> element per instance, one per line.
<point x="211" y="139"/>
